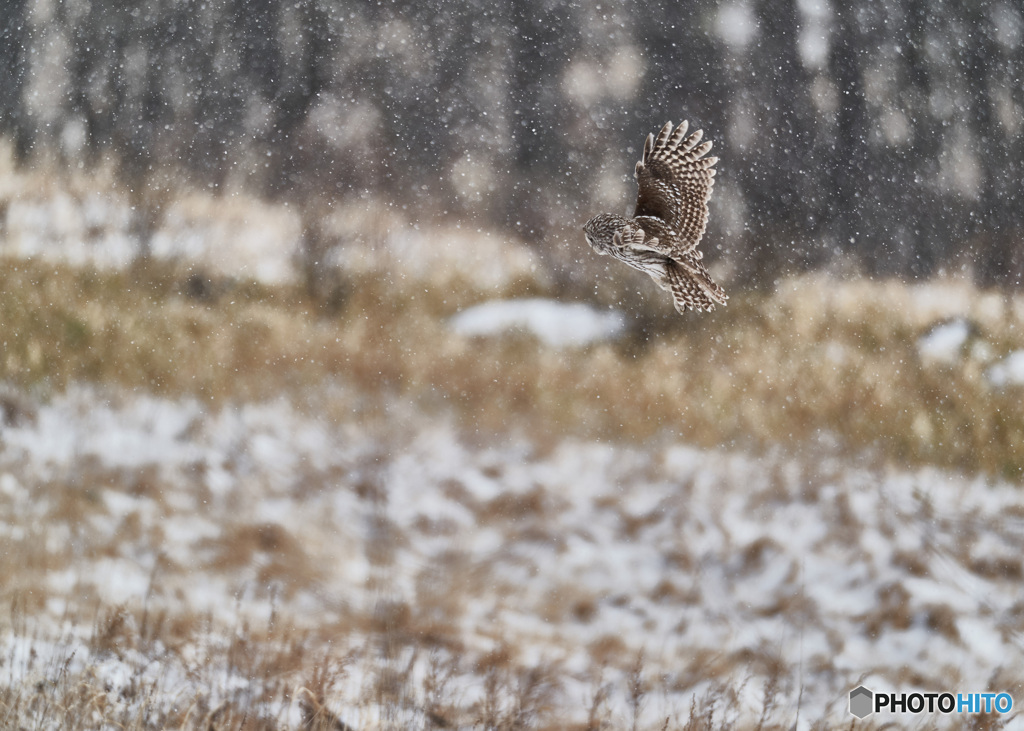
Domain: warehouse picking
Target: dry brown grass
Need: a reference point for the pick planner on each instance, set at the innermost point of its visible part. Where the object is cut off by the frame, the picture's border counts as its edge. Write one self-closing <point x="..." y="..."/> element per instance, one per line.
<point x="816" y="363"/>
<point x="283" y="669"/>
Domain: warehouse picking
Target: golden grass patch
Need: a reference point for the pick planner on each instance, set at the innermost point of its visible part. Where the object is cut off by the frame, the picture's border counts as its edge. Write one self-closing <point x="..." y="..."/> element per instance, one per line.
<point x="817" y="362"/>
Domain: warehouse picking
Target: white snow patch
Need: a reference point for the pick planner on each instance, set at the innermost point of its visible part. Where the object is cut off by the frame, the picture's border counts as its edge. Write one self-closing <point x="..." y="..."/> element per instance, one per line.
<point x="944" y="343"/>
<point x="1007" y="372"/>
<point x="555" y="323"/>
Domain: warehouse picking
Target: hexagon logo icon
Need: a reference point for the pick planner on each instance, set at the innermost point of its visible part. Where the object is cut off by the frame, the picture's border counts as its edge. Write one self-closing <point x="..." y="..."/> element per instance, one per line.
<point x="861" y="701"/>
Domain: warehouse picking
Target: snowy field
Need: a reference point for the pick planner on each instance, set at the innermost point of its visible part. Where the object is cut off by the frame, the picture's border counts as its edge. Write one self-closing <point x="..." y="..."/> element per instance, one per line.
<point x="453" y="514"/>
<point x="697" y="577"/>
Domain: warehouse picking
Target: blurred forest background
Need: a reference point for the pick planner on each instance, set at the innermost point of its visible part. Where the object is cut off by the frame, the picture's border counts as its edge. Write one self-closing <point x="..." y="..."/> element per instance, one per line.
<point x="882" y="133"/>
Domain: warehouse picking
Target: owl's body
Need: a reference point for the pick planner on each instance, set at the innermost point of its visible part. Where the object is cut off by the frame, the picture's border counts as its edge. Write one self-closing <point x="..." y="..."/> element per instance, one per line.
<point x="675" y="180"/>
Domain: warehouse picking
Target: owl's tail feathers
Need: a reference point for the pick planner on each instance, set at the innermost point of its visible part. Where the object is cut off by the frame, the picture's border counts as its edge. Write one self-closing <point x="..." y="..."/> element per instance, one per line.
<point x="692" y="287"/>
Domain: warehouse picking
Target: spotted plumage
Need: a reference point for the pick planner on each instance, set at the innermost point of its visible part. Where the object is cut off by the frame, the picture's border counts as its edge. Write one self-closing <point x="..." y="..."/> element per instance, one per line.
<point x="675" y="180"/>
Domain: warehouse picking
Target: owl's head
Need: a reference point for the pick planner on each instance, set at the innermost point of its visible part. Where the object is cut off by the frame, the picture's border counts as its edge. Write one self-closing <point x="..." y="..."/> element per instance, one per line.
<point x="600" y="231"/>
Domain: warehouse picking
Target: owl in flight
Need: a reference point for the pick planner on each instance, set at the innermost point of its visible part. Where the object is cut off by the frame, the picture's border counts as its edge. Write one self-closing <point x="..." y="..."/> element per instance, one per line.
<point x="671" y="214"/>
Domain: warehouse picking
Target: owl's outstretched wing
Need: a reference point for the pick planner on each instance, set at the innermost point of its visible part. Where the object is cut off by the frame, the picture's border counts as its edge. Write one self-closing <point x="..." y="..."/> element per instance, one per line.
<point x="675" y="181"/>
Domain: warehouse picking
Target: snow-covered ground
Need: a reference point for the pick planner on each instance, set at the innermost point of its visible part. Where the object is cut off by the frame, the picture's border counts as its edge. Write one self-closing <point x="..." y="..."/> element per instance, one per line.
<point x="723" y="569"/>
<point x="945" y="342"/>
<point x="1009" y="371"/>
<point x="384" y="537"/>
<point x="238" y="236"/>
<point x="229" y="236"/>
<point x="554" y="323"/>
